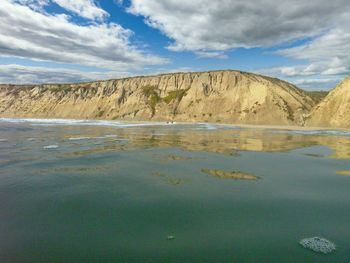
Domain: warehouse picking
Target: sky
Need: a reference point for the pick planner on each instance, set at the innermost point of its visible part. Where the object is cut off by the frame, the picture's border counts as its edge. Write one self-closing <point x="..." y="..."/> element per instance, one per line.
<point x="62" y="41"/>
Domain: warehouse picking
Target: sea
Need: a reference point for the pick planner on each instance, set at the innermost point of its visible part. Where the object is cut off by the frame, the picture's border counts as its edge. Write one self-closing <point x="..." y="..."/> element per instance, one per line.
<point x="104" y="191"/>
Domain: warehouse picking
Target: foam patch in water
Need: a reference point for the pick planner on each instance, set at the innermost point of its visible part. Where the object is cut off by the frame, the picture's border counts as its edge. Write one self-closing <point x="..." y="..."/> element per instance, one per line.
<point x="78" y="138"/>
<point x="51" y="146"/>
<point x="318" y="244"/>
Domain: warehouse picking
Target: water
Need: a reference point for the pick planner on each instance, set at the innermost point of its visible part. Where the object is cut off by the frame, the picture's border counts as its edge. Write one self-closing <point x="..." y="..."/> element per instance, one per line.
<point x="109" y="192"/>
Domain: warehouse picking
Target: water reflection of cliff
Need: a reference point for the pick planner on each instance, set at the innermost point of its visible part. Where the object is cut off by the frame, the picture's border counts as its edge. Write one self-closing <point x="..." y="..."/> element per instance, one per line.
<point x="227" y="142"/>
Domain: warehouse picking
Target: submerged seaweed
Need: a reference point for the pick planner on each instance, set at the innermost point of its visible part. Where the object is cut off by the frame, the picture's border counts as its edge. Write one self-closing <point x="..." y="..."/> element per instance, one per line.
<point x="231" y="174"/>
<point x="318" y="244"/>
<point x="166" y="158"/>
<point x="343" y="172"/>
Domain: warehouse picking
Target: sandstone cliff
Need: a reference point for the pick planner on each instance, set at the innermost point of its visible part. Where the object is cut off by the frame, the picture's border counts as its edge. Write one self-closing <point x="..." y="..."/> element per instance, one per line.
<point x="334" y="109"/>
<point x="217" y="96"/>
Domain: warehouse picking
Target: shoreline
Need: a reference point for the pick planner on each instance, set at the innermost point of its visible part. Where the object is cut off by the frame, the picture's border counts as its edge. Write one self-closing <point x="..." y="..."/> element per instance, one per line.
<point x="248" y="126"/>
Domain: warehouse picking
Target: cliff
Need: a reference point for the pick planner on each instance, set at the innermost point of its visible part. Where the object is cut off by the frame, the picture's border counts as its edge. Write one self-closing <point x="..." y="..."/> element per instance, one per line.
<point x="217" y="96"/>
<point x="334" y="109"/>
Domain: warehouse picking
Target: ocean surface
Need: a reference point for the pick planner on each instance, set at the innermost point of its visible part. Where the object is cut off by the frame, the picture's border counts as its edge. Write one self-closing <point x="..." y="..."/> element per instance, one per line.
<point x="99" y="191"/>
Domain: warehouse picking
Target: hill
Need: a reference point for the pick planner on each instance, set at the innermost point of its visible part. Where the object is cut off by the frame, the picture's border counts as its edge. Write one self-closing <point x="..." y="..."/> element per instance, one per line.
<point x="216" y="96"/>
<point x="334" y="109"/>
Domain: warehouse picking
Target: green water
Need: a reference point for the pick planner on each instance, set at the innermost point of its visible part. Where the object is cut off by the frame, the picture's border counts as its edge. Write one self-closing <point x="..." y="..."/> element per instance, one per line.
<point x="116" y="198"/>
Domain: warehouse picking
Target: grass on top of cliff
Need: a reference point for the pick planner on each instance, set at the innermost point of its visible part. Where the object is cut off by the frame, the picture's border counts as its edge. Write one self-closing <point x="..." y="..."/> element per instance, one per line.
<point x="62" y="87"/>
<point x="69" y="87"/>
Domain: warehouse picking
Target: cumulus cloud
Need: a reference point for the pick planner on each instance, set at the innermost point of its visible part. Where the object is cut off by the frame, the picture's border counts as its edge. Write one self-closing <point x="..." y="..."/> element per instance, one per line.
<point x="304" y="76"/>
<point x="330" y="66"/>
<point x="209" y="27"/>
<point x="288" y="71"/>
<point x="34" y="4"/>
<point x="328" y="54"/>
<point x="317" y="84"/>
<point x="83" y="8"/>
<point x="53" y="37"/>
<point x="19" y="74"/>
<point x="224" y="24"/>
<point x="172" y="70"/>
<point x="318" y="81"/>
<point x="212" y="54"/>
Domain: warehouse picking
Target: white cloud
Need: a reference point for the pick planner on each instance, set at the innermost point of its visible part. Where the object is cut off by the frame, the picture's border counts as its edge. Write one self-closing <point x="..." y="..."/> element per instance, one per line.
<point x="28" y="33"/>
<point x="317" y="81"/>
<point x="287" y="71"/>
<point x="304" y="76"/>
<point x="328" y="54"/>
<point x="83" y="8"/>
<point x="220" y="25"/>
<point x="34" y="4"/>
<point x="317" y="84"/>
<point x="212" y="54"/>
<point x="18" y="74"/>
<point x="118" y="2"/>
<point x="173" y="70"/>
<point x="209" y="27"/>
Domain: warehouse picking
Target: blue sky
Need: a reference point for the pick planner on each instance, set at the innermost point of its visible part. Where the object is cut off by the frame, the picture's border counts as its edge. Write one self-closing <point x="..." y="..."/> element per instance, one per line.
<point x="62" y="41"/>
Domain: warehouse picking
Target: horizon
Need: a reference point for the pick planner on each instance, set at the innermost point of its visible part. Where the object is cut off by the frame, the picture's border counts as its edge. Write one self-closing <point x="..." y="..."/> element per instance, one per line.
<point x="66" y="41"/>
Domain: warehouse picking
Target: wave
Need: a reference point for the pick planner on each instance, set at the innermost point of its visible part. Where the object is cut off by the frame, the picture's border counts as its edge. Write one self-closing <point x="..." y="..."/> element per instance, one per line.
<point x="59" y="122"/>
<point x="78" y="138"/>
<point x="181" y="126"/>
<point x="53" y="146"/>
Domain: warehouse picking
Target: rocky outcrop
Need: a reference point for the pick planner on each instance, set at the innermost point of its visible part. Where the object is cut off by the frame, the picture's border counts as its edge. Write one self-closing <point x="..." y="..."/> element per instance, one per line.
<point x="334" y="109"/>
<point x="217" y="96"/>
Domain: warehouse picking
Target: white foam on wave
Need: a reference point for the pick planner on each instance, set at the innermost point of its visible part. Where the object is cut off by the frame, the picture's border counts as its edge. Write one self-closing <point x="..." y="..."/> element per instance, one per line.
<point x="206" y="126"/>
<point x="78" y="138"/>
<point x="3" y="140"/>
<point x="56" y="122"/>
<point x="106" y="136"/>
<point x="53" y="146"/>
<point x="199" y="126"/>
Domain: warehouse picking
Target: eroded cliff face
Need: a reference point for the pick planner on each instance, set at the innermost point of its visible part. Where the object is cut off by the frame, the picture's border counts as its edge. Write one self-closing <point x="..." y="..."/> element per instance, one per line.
<point x="218" y="96"/>
<point x="334" y="109"/>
